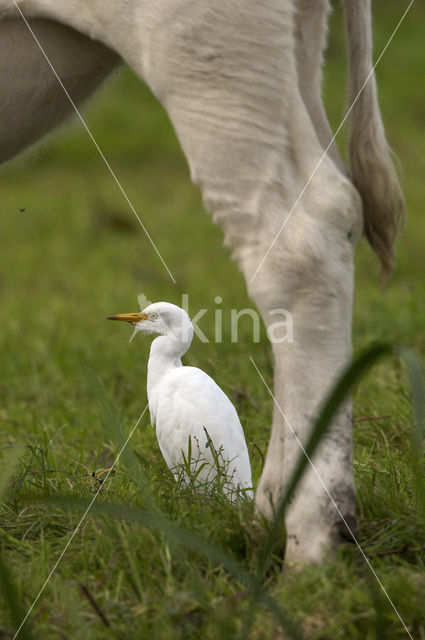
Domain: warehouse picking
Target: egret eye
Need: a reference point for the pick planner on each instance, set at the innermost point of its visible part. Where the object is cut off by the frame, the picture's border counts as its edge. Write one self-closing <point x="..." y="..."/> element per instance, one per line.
<point x="153" y="316"/>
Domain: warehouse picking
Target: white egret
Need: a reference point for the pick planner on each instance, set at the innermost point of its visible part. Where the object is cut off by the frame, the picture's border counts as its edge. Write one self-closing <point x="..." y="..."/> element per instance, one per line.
<point x="196" y="423"/>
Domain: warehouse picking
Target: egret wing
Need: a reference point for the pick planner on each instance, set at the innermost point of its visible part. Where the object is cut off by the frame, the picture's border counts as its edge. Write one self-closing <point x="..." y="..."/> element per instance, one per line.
<point x="192" y="403"/>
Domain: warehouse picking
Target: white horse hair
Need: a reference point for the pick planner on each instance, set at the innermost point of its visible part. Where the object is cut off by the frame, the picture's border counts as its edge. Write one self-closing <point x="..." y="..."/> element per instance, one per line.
<point x="241" y="82"/>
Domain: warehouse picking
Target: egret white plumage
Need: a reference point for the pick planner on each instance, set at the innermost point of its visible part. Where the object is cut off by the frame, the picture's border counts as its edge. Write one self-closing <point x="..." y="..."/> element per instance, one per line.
<point x="193" y="416"/>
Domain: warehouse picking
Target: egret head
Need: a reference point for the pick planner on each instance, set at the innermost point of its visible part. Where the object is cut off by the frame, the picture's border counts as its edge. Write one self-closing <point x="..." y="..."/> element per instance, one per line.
<point x="161" y="318"/>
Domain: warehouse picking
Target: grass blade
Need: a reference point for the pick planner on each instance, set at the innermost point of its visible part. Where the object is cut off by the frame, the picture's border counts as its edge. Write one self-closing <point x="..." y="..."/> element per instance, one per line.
<point x="415" y="373"/>
<point x="155" y="519"/>
<point x="351" y="375"/>
<point x="11" y="599"/>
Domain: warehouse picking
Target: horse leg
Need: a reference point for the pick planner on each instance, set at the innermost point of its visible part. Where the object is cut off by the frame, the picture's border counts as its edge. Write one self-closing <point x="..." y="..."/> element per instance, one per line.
<point x="229" y="81"/>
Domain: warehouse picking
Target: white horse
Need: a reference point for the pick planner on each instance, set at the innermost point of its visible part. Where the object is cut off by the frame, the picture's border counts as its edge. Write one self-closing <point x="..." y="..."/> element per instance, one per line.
<point x="241" y="83"/>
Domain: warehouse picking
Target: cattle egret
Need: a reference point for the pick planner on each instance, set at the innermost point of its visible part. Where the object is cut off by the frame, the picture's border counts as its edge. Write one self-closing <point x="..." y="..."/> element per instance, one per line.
<point x="197" y="426"/>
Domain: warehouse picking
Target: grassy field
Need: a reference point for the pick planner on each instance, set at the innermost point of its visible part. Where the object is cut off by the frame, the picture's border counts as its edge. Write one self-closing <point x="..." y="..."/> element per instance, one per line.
<point x="72" y="387"/>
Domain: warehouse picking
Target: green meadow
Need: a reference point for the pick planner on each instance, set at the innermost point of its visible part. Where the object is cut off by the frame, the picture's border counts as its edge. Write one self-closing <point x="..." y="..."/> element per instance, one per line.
<point x="151" y="560"/>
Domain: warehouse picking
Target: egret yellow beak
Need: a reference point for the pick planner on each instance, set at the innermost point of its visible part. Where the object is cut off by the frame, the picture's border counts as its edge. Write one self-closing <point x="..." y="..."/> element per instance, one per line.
<point x="132" y="318"/>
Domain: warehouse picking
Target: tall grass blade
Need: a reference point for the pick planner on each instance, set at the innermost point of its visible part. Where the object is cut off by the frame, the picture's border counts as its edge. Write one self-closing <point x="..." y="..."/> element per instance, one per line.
<point x="7" y="587"/>
<point x="11" y="599"/>
<point x="416" y="378"/>
<point x="351" y="376"/>
<point x="155" y="519"/>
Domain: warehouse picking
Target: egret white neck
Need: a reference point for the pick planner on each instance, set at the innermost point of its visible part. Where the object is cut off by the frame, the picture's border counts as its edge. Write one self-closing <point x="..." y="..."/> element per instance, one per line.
<point x="165" y="354"/>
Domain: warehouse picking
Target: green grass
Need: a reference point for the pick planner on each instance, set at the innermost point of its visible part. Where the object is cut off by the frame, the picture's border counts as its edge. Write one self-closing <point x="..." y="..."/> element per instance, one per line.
<point x="71" y="386"/>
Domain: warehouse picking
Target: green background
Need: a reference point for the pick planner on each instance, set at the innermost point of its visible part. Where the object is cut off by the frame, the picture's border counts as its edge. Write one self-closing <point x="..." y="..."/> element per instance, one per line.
<point x="72" y="253"/>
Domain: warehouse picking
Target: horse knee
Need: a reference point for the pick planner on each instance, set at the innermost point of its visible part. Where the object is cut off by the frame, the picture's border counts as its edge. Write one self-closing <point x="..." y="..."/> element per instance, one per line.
<point x="311" y="254"/>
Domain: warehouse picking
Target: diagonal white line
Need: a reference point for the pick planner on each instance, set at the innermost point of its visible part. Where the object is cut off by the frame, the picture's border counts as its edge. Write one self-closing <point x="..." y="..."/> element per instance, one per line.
<point x="366" y="559"/>
<point x="83" y="517"/>
<point x="83" y="122"/>
<point x="330" y="144"/>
